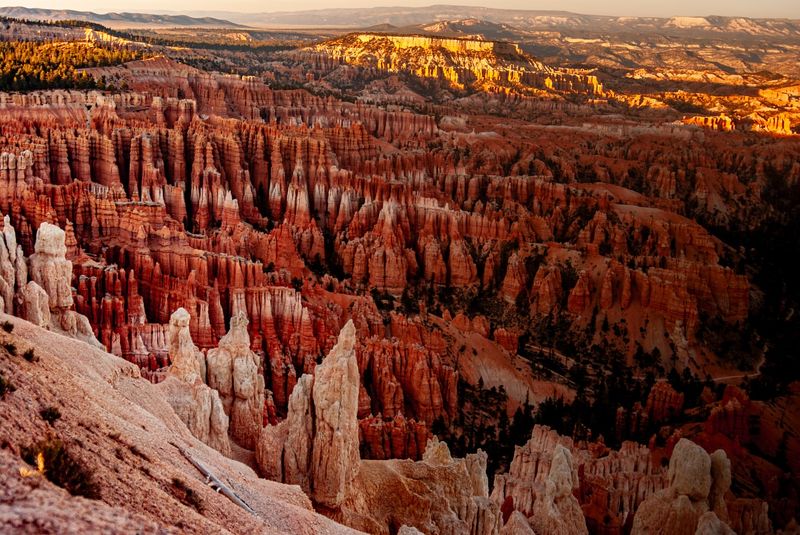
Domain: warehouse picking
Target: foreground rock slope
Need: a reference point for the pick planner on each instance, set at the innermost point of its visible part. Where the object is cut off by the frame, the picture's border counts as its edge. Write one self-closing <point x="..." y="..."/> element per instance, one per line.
<point x="122" y="429"/>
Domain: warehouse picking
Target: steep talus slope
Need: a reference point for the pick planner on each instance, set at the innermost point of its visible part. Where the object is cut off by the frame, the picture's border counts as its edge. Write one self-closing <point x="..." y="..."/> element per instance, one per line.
<point x="121" y="429"/>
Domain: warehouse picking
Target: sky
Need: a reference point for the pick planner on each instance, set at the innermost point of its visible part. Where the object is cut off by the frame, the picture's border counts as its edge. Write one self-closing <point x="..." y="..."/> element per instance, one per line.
<point x="748" y="8"/>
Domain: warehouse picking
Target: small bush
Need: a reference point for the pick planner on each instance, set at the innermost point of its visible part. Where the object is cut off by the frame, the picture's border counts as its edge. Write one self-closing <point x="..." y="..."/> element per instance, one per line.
<point x="186" y="495"/>
<point x="11" y="348"/>
<point x="6" y="387"/>
<point x="60" y="468"/>
<point x="30" y="356"/>
<point x="8" y="326"/>
<point x="50" y="414"/>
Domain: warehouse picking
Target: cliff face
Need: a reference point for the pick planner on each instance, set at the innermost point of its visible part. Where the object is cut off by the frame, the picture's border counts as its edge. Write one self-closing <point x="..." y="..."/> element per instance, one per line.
<point x="463" y="63"/>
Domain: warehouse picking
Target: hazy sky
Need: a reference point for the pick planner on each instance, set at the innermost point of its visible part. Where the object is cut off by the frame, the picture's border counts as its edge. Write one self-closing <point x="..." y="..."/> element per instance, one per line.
<point x="751" y="8"/>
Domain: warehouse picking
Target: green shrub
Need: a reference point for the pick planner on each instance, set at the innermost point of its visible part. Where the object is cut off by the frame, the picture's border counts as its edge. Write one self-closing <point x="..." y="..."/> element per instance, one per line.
<point x="50" y="414"/>
<point x="7" y="326"/>
<point x="54" y="461"/>
<point x="30" y="356"/>
<point x="6" y="387"/>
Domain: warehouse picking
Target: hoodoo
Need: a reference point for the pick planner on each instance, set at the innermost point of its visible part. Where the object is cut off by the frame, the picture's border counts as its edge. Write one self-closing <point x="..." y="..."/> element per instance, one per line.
<point x="463" y="271"/>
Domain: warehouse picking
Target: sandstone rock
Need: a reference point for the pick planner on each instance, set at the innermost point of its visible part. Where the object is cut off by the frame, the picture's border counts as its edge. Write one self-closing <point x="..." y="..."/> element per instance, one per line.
<point x="188" y="363"/>
<point x="609" y="485"/>
<point x="517" y="524"/>
<point x="36" y="305"/>
<point x="690" y="471"/>
<point x="316" y="446"/>
<point x="50" y="270"/>
<point x="284" y="450"/>
<point x="720" y="484"/>
<point x="663" y="402"/>
<point x="194" y="402"/>
<point x="13" y="270"/>
<point x="680" y="508"/>
<point x="557" y="511"/>
<point x="395" y="438"/>
<point x="432" y="495"/>
<point x="199" y="407"/>
<point x="335" y="451"/>
<point x="461" y="63"/>
<point x="233" y="370"/>
<point x="580" y="295"/>
<point x="710" y="524"/>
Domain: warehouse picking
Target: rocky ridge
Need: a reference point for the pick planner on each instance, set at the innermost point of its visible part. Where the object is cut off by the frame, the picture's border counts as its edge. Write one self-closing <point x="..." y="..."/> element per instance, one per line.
<point x="464" y="63"/>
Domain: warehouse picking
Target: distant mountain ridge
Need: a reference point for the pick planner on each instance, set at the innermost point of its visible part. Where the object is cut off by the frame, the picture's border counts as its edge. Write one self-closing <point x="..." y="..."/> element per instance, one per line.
<point x="528" y="19"/>
<point x="114" y="19"/>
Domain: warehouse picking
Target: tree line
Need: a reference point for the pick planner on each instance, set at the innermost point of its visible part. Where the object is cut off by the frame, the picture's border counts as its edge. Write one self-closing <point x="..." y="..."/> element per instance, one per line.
<point x="26" y="66"/>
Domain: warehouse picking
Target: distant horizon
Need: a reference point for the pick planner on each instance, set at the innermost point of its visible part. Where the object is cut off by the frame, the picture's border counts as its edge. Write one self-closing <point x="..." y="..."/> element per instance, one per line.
<point x="767" y="9"/>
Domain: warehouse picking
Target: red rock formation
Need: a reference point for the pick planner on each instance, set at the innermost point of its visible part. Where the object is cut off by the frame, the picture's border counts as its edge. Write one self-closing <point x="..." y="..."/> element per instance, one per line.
<point x="663" y="402"/>
<point x="580" y="295"/>
<point x="697" y="485"/>
<point x="229" y="199"/>
<point x="546" y="290"/>
<point x="397" y="438"/>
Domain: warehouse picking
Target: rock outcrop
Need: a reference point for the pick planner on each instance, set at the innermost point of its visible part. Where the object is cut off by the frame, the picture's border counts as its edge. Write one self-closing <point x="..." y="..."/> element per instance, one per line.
<point x="696" y="487"/>
<point x="317" y="446"/>
<point x="517" y="524"/>
<point x="197" y="405"/>
<point x="335" y="457"/>
<point x="557" y="511"/>
<point x="51" y="271"/>
<point x="609" y="487"/>
<point x="234" y="371"/>
<point x="438" y="494"/>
